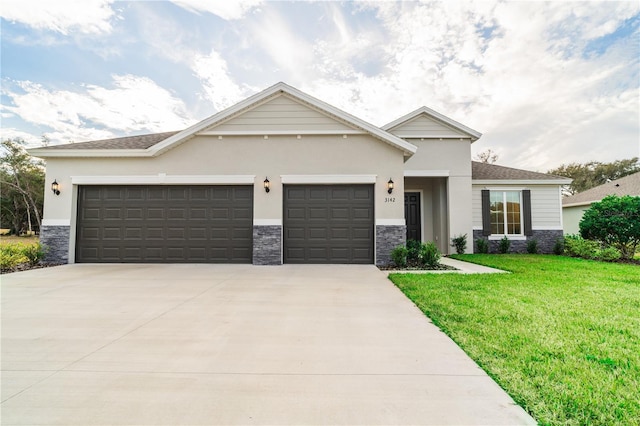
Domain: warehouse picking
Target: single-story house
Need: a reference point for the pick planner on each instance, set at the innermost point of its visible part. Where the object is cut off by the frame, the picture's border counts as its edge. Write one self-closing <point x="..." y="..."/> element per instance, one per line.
<point x="573" y="207"/>
<point x="283" y="177"/>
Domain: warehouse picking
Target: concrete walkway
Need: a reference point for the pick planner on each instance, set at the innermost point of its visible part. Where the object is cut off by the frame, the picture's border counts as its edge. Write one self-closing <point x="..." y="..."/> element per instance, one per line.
<point x="225" y="344"/>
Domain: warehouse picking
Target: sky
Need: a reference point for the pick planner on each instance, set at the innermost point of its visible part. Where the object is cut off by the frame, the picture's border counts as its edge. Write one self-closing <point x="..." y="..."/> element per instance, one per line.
<point x="546" y="83"/>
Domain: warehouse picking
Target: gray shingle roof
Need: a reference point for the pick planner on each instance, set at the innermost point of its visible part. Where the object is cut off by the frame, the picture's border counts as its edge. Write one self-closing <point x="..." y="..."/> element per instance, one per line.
<point x="485" y="171"/>
<point x="128" y="142"/>
<point x="628" y="185"/>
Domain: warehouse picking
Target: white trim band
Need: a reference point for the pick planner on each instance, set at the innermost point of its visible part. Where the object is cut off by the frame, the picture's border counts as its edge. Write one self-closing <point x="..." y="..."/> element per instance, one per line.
<point x="56" y="222"/>
<point x="162" y="179"/>
<point x="280" y="132"/>
<point x="267" y="222"/>
<point x="390" y="222"/>
<point x="520" y="182"/>
<point x="426" y="173"/>
<point x="328" y="179"/>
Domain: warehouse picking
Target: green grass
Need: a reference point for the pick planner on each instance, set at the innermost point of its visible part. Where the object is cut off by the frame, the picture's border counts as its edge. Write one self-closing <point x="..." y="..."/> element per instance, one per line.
<point x="560" y="335"/>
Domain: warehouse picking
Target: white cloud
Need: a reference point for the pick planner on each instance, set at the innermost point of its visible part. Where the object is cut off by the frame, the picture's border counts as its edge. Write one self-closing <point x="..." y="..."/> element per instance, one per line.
<point x="134" y="104"/>
<point x="63" y="16"/>
<point x="219" y="88"/>
<point x="226" y="9"/>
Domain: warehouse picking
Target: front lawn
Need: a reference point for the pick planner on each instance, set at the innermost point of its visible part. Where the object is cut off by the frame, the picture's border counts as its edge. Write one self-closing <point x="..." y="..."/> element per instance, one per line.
<point x="560" y="335"/>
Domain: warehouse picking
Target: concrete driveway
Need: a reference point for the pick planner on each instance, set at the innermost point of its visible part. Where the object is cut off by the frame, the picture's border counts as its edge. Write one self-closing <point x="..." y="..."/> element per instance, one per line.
<point x="224" y="344"/>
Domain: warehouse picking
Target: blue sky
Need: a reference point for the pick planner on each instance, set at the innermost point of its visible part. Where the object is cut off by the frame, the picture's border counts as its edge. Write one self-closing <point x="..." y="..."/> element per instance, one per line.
<point x="545" y="82"/>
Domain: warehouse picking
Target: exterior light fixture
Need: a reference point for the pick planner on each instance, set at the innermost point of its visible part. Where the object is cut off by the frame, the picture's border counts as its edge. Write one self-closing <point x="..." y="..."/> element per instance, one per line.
<point x="390" y="186"/>
<point x="266" y="185"/>
<point x="55" y="187"/>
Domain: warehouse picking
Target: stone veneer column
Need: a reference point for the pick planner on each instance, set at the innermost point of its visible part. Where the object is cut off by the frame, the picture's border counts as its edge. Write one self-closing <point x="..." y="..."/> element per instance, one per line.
<point x="267" y="244"/>
<point x="387" y="238"/>
<point x="55" y="239"/>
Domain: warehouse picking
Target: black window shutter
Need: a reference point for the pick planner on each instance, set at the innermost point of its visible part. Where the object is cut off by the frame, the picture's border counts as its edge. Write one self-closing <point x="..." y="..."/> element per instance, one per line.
<point x="526" y="210"/>
<point x="486" y="212"/>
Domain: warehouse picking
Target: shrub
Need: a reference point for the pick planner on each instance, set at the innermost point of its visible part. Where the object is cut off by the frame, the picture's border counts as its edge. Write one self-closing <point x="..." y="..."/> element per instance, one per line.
<point x="576" y="246"/>
<point x="10" y="260"/>
<point x="615" y="221"/>
<point x="429" y="254"/>
<point x="399" y="256"/>
<point x="504" y="245"/>
<point x="558" y="247"/>
<point x="609" y="254"/>
<point x="34" y="253"/>
<point x="413" y="248"/>
<point x="482" y="245"/>
<point x="532" y="246"/>
<point x="460" y="243"/>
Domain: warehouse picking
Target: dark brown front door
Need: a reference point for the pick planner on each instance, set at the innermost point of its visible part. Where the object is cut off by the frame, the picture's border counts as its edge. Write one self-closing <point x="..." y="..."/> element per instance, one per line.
<point x="328" y="224"/>
<point x="412" y="215"/>
<point x="165" y="224"/>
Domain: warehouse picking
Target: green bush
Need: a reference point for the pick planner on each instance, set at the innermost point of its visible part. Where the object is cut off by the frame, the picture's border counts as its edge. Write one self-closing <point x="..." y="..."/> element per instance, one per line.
<point x="532" y="246"/>
<point x="10" y="260"/>
<point x="576" y="246"/>
<point x="609" y="254"/>
<point x="558" y="247"/>
<point x="399" y="256"/>
<point x="460" y="243"/>
<point x="34" y="253"/>
<point x="504" y="245"/>
<point x="615" y="221"/>
<point x="429" y="255"/>
<point x="482" y="245"/>
<point x="413" y="252"/>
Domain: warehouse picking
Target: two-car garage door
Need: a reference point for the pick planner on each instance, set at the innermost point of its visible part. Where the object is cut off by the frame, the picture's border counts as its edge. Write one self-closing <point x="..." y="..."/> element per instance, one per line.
<point x="214" y="224"/>
<point x="174" y="224"/>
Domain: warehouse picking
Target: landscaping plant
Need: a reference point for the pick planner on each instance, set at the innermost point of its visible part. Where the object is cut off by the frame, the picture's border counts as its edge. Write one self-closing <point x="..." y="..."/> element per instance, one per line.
<point x="532" y="246"/>
<point x="558" y="247"/>
<point x="482" y="246"/>
<point x="615" y="221"/>
<point x="399" y="256"/>
<point x="504" y="245"/>
<point x="460" y="243"/>
<point x="413" y="251"/>
<point x="429" y="254"/>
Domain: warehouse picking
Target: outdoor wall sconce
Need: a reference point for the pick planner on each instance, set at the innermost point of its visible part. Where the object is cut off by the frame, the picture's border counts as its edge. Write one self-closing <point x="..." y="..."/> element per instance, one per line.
<point x="390" y="186"/>
<point x="55" y="187"/>
<point x="266" y="185"/>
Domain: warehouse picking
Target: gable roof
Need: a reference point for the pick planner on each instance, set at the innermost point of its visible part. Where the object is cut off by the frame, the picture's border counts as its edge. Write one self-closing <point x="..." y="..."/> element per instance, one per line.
<point x="473" y="134"/>
<point x="127" y="142"/>
<point x="493" y="173"/>
<point x="628" y="185"/>
<point x="134" y="146"/>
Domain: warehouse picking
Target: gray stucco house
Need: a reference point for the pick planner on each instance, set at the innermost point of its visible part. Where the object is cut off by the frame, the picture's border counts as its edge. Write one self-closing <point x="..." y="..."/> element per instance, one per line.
<point x="283" y="177"/>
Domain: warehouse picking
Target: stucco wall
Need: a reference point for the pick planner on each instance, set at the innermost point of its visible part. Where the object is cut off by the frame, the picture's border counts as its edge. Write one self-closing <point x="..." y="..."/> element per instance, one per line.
<point x="253" y="155"/>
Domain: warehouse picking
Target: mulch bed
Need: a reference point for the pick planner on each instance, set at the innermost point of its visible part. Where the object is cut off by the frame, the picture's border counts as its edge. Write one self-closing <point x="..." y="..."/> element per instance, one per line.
<point x="414" y="267"/>
<point x="27" y="267"/>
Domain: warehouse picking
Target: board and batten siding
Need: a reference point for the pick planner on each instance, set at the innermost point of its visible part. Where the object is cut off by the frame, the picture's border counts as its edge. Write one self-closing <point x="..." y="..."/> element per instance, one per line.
<point x="425" y="127"/>
<point x="546" y="207"/>
<point x="281" y="114"/>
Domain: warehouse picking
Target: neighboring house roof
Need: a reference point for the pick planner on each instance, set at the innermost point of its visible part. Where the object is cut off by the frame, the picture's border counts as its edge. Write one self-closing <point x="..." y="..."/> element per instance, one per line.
<point x="473" y="134"/>
<point x="485" y="173"/>
<point x="106" y="150"/>
<point x="628" y="185"/>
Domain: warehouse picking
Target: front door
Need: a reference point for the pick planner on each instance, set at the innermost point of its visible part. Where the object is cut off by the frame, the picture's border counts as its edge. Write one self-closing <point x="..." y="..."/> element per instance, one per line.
<point x="412" y="215"/>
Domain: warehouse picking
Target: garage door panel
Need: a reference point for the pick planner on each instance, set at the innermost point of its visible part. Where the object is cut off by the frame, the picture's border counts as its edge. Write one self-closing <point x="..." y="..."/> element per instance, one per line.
<point x="328" y="223"/>
<point x="165" y="224"/>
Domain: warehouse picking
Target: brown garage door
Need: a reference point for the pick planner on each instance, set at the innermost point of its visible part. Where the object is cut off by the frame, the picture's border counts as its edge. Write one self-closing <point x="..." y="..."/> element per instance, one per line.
<point x="328" y="224"/>
<point x="175" y="224"/>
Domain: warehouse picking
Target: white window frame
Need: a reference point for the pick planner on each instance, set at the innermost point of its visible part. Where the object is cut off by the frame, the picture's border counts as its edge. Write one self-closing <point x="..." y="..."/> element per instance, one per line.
<point x="519" y="236"/>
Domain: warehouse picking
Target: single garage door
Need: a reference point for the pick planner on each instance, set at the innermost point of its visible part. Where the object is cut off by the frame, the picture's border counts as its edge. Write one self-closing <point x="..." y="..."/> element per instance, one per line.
<point x="175" y="224"/>
<point x="328" y="224"/>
